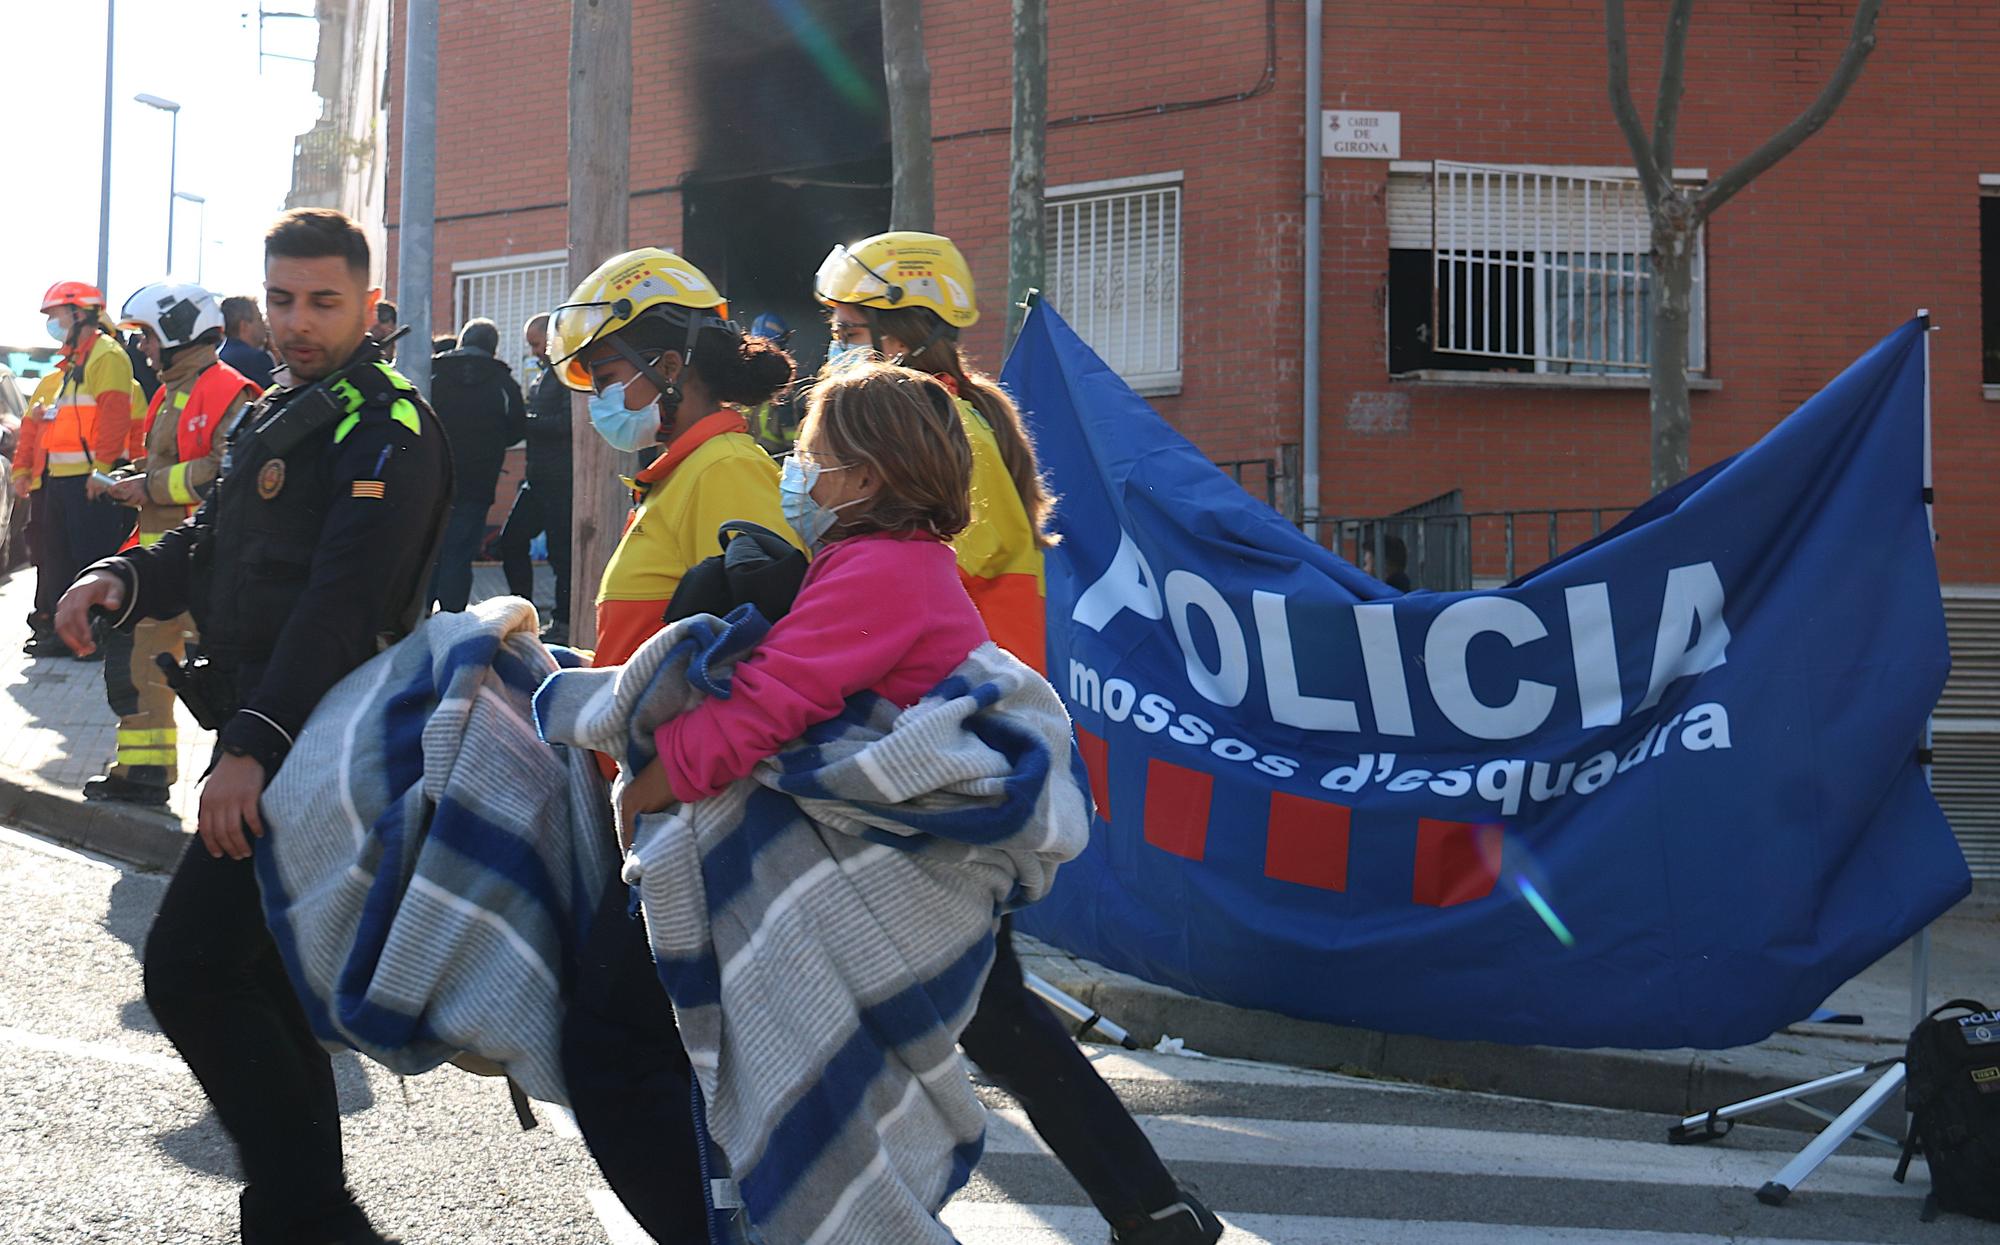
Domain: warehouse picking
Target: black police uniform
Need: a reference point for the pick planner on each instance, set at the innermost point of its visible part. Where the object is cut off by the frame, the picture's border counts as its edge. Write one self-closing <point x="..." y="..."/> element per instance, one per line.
<point x="311" y="555"/>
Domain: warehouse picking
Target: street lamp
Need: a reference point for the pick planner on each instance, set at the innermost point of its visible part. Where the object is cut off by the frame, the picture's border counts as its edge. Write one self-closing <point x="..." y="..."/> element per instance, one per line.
<point x="173" y="152"/>
<point x="201" y="230"/>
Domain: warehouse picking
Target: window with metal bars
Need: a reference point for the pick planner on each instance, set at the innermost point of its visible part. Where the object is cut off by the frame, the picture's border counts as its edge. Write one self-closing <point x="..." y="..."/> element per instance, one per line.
<point x="1524" y="268"/>
<point x="510" y="291"/>
<point x="1114" y="272"/>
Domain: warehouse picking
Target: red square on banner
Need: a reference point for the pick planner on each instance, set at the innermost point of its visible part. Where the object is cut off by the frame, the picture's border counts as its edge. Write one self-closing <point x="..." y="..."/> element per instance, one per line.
<point x="1177" y="808"/>
<point x="1306" y="842"/>
<point x="1091" y="749"/>
<point x="1457" y="862"/>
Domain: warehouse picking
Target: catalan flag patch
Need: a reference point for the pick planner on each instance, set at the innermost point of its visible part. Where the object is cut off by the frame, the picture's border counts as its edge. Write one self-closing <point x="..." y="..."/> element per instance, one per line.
<point x="370" y="488"/>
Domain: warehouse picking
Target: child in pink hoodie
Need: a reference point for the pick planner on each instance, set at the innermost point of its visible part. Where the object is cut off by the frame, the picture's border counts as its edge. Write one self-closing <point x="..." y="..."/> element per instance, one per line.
<point x="878" y="486"/>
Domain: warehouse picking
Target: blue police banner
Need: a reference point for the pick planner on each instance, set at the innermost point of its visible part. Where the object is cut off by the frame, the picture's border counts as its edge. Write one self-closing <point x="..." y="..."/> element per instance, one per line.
<point x="1664" y="791"/>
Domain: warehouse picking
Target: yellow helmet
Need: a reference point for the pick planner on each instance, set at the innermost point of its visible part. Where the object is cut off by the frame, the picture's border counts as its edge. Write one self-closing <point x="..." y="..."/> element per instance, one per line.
<point x="624" y="289"/>
<point x="902" y="269"/>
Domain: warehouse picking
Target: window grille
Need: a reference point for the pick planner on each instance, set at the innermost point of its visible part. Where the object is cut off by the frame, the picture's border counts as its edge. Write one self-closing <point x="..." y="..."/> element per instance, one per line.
<point x="1548" y="267"/>
<point x="510" y="292"/>
<point x="1113" y="271"/>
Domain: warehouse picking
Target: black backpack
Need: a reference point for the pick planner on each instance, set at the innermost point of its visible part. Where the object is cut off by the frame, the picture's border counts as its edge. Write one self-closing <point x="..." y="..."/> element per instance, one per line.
<point x="756" y="567"/>
<point x="1953" y="1068"/>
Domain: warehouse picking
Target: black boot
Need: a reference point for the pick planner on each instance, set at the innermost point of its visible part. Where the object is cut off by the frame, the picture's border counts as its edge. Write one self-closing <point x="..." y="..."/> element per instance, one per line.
<point x="115" y="787"/>
<point x="1186" y="1222"/>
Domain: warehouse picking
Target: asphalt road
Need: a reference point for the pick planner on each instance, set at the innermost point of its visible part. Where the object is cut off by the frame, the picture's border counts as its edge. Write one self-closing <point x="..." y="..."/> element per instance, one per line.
<point x="104" y="1137"/>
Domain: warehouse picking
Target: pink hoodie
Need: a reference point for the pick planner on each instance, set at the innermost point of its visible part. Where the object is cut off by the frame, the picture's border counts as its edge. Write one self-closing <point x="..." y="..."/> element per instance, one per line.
<point x="877" y="612"/>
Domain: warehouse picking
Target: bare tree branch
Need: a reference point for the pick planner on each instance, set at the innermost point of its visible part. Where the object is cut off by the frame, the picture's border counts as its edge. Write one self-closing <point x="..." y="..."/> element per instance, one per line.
<point x="1618" y="62"/>
<point x="1673" y="84"/>
<point x="1859" y="44"/>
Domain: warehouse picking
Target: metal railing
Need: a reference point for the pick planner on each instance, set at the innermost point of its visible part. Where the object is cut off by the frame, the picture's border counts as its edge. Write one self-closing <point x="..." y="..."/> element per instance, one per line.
<point x="1454" y="552"/>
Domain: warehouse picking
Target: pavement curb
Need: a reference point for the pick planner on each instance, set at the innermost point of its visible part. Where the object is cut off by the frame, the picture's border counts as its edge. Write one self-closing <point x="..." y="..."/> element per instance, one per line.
<point x="147" y="837"/>
<point x="1670" y="1083"/>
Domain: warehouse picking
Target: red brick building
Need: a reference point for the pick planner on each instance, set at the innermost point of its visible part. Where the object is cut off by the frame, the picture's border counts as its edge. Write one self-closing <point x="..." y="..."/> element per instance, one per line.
<point x="1481" y="336"/>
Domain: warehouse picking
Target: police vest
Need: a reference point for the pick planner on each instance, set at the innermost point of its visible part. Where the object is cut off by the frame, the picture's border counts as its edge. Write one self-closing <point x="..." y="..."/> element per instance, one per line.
<point x="272" y="502"/>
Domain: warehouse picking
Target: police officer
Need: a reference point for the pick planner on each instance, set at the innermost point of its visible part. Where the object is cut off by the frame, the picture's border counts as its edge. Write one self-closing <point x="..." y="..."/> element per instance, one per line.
<point x="312" y="553"/>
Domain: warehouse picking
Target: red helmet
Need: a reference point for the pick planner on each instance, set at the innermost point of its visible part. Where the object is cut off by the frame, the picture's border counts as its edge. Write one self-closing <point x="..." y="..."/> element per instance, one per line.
<point x="72" y="294"/>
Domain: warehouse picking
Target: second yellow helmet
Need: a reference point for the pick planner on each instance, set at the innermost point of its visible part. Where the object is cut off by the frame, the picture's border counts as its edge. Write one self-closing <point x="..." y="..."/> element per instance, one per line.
<point x="901" y="269"/>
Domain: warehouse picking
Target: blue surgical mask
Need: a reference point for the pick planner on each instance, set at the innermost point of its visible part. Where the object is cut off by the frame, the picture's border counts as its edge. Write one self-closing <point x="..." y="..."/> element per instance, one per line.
<point x="58" y="330"/>
<point x="808" y="518"/>
<point x="622" y="429"/>
<point x="842" y="354"/>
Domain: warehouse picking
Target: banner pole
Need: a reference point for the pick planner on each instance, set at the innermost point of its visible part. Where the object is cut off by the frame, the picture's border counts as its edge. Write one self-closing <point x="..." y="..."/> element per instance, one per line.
<point x="1920" y="946"/>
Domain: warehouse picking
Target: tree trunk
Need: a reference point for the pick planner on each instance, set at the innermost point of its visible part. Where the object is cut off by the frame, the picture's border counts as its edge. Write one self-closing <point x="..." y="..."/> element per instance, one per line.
<point x="600" y="129"/>
<point x="1026" y="247"/>
<point x="1671" y="301"/>
<point x="908" y="75"/>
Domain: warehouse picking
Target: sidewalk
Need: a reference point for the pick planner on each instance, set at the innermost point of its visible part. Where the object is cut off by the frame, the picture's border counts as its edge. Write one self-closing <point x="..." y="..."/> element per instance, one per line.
<point x="55" y="732"/>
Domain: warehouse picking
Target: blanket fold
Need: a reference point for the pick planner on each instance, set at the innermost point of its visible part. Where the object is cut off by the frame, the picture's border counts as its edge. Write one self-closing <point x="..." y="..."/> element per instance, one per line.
<point x="824" y="926"/>
<point x="431" y="863"/>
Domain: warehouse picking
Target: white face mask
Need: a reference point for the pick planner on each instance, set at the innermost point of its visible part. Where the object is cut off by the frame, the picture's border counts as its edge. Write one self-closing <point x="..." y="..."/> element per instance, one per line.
<point x="58" y="330"/>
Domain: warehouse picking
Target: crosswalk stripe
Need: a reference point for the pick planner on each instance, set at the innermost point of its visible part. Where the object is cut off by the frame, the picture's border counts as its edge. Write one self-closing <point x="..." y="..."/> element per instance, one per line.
<point x="1118" y="1065"/>
<point x="102" y="1052"/>
<point x="1457" y="1151"/>
<point x="974" y="1222"/>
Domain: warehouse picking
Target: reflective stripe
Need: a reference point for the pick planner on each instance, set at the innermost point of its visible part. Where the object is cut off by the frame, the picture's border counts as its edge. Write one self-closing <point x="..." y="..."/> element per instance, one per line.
<point x="69" y="456"/>
<point x="181" y="399"/>
<point x="148" y="756"/>
<point x="403" y="412"/>
<point x="149" y="538"/>
<point x="177" y="485"/>
<point x="164" y="735"/>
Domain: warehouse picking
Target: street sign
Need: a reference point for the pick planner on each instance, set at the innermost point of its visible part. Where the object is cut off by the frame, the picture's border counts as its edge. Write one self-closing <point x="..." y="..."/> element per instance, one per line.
<point x="1366" y="134"/>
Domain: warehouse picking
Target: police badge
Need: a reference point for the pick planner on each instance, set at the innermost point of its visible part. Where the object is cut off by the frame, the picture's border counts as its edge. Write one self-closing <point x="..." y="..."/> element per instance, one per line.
<point x="271" y="480"/>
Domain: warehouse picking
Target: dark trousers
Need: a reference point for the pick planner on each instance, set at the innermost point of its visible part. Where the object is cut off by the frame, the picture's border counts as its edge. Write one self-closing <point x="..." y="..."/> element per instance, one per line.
<point x="629" y="1079"/>
<point x="219" y="991"/>
<point x="71" y="532"/>
<point x="540" y="506"/>
<point x="451" y="582"/>
<point x="47" y="590"/>
<point x="1018" y="1043"/>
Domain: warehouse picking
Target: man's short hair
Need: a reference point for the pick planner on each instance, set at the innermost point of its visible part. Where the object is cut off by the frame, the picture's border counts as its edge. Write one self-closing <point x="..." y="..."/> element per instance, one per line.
<point x="480" y="333"/>
<point x="385" y="312"/>
<point x="536" y="322"/>
<point x="237" y="311"/>
<point x="316" y="233"/>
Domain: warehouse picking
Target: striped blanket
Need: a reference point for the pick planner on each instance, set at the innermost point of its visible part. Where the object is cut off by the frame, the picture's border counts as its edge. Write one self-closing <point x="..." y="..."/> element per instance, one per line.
<point x="824" y="926"/>
<point x="430" y="862"/>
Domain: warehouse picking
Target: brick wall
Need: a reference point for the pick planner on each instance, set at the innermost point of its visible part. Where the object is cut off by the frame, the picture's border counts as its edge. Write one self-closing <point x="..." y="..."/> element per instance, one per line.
<point x="1876" y="216"/>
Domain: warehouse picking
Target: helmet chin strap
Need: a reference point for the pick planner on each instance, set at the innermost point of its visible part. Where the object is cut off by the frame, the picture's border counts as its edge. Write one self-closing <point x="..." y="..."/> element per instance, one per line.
<point x="670" y="393"/>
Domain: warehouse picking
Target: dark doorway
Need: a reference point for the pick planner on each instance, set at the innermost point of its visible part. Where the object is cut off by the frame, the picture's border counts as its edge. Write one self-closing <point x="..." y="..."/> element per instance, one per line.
<point x="762" y="238"/>
<point x="1989" y="274"/>
<point x="793" y="155"/>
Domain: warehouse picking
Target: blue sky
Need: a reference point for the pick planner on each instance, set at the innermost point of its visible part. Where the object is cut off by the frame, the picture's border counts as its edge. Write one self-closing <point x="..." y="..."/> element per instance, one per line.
<point x="236" y="131"/>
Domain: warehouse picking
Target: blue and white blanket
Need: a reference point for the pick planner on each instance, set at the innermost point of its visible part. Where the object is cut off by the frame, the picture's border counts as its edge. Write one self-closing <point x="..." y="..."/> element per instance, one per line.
<point x="825" y="925"/>
<point x="430" y="863"/>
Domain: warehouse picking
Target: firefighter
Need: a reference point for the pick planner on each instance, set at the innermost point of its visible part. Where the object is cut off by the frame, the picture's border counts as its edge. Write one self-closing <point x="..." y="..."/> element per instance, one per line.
<point x="177" y="458"/>
<point x="83" y="431"/>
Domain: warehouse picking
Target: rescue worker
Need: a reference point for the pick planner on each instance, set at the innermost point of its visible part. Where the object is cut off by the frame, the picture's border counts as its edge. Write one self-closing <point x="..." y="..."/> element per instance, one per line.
<point x="774" y="422"/>
<point x="180" y="328"/>
<point x="84" y="430"/>
<point x="312" y="553"/>
<point x="25" y="477"/>
<point x="905" y="296"/>
<point x="648" y="337"/>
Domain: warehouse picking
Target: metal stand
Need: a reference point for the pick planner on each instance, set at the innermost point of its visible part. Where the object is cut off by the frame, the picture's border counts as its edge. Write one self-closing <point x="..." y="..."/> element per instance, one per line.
<point x="1087" y="1018"/>
<point x="1851" y="1122"/>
